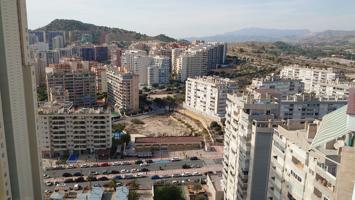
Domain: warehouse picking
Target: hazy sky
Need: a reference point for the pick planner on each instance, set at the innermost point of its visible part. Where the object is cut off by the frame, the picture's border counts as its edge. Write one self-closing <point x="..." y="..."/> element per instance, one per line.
<point x="184" y="18"/>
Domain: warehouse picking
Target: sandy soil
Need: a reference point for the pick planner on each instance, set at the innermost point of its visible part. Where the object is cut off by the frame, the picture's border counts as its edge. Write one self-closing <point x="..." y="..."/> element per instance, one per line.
<point x="157" y="126"/>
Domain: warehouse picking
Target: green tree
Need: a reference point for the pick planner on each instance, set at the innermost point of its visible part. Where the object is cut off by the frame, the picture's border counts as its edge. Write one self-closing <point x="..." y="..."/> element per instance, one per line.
<point x="42" y="94"/>
<point x="133" y="195"/>
<point x="168" y="192"/>
<point x="118" y="127"/>
<point x="125" y="139"/>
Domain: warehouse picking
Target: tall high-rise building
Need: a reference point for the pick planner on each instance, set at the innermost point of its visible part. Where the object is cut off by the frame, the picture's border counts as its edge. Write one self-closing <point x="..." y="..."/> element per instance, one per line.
<point x="159" y="70"/>
<point x="20" y="177"/>
<point x="58" y="42"/>
<point x="122" y="90"/>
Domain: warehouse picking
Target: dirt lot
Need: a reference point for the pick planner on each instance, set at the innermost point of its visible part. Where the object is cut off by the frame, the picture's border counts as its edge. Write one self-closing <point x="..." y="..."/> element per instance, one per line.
<point x="158" y="125"/>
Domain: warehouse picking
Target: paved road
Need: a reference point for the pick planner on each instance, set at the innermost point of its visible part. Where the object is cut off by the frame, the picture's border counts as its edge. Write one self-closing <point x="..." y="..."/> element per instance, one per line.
<point x="152" y="167"/>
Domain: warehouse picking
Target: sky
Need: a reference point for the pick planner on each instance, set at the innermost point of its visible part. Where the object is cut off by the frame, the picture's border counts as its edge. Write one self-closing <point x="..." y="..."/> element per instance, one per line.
<point x="193" y="18"/>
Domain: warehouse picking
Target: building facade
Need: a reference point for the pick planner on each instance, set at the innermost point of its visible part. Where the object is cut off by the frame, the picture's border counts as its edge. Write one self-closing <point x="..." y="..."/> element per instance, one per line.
<point x="122" y="90"/>
<point x="158" y="71"/>
<point x="63" y="129"/>
<point x="208" y="95"/>
<point x="73" y="75"/>
<point x="312" y="160"/>
<point x="309" y="76"/>
<point x="20" y="168"/>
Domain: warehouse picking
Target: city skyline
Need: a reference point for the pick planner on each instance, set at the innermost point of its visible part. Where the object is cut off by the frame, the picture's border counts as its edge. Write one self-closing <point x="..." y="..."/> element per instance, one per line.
<point x="198" y="18"/>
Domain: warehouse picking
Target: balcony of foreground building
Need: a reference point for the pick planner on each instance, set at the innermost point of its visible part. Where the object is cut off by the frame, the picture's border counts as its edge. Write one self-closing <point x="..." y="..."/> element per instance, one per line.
<point x="327" y="172"/>
<point x="321" y="185"/>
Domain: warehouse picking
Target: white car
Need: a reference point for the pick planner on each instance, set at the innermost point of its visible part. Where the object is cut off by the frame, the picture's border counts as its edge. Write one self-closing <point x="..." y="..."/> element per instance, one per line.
<point x="60" y="185"/>
<point x="123" y="170"/>
<point x="84" y="166"/>
<point x="49" y="183"/>
<point x="116" y="164"/>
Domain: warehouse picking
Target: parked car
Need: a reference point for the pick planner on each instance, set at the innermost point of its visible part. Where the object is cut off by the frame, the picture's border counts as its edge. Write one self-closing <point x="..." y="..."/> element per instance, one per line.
<point x="149" y="161"/>
<point x="68" y="180"/>
<point x="175" y="159"/>
<point x="49" y="184"/>
<point x="77" y="174"/>
<point x="77" y="187"/>
<point x="66" y="174"/>
<point x="144" y="170"/>
<point x="194" y="158"/>
<point x="105" y="164"/>
<point x="186" y="166"/>
<point x="155" y="177"/>
<point x="103" y="178"/>
<point x="138" y="162"/>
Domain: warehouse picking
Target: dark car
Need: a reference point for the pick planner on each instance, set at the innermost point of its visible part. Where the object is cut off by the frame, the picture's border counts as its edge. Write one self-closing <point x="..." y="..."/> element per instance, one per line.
<point x="77" y="174"/>
<point x="155" y="177"/>
<point x="194" y="158"/>
<point x="118" y="177"/>
<point x="186" y="166"/>
<point x="67" y="174"/>
<point x="115" y="172"/>
<point x="79" y="179"/>
<point x="144" y="170"/>
<point x="138" y="162"/>
<point x="91" y="178"/>
<point x="68" y="180"/>
<point x="149" y="161"/>
<point x="103" y="178"/>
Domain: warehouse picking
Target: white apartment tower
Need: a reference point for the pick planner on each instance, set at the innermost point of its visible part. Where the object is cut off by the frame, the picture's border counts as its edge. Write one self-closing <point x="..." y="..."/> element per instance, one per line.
<point x="159" y="71"/>
<point x="20" y="177"/>
<point x="208" y="95"/>
<point x="309" y="76"/>
<point x="122" y="90"/>
<point x="250" y="119"/>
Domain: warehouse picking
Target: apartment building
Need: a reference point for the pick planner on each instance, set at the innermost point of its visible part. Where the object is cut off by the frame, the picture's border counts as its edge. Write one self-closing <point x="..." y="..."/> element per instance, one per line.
<point x="284" y="86"/>
<point x="20" y="168"/>
<point x="175" y="54"/>
<point x="122" y="90"/>
<point x="197" y="60"/>
<point x="158" y="71"/>
<point x="74" y="76"/>
<point x="309" y="76"/>
<point x="313" y="160"/>
<point x="128" y="58"/>
<point x="216" y="53"/>
<point x="208" y="95"/>
<point x="340" y="89"/>
<point x="191" y="63"/>
<point x="116" y="57"/>
<point x="63" y="129"/>
<point x="308" y="106"/>
<point x="100" y="77"/>
<point x="250" y="119"/>
<point x="260" y="110"/>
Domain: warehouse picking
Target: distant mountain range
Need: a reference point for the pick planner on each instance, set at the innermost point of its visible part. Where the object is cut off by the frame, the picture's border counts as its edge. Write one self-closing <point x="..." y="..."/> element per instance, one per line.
<point x="286" y="35"/>
<point x="115" y="33"/>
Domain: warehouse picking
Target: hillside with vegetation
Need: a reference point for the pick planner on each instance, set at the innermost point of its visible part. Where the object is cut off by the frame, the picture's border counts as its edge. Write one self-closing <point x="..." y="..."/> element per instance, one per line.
<point x="116" y="34"/>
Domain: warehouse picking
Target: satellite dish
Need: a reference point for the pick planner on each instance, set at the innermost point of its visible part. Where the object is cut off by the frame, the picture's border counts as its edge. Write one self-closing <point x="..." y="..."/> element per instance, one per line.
<point x="339" y="144"/>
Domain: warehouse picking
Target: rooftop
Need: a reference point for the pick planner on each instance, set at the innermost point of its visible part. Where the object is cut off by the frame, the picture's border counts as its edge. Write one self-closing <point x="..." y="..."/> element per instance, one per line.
<point x="54" y="107"/>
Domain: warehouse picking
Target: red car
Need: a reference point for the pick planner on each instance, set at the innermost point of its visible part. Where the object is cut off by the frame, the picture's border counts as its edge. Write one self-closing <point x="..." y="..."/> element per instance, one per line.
<point x="105" y="164"/>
